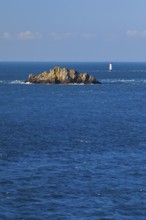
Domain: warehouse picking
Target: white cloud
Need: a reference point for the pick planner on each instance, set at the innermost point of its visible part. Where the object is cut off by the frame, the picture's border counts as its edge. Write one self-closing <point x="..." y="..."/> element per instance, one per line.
<point x="132" y="33"/>
<point x="6" y="35"/>
<point x="69" y="35"/>
<point x="28" y="35"/>
<point x="135" y="33"/>
<point x="88" y="36"/>
<point x="61" y="36"/>
<point x="143" y="34"/>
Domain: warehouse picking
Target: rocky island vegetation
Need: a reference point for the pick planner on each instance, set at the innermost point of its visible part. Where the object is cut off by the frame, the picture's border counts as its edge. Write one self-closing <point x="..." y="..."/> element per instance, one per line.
<point x="59" y="75"/>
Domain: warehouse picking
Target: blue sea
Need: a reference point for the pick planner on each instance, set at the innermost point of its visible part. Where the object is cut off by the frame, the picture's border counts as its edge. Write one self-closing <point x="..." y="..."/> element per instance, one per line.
<point x="71" y="152"/>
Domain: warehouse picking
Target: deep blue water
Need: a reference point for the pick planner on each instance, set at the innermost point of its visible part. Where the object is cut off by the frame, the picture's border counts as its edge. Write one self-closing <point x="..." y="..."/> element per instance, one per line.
<point x="73" y="151"/>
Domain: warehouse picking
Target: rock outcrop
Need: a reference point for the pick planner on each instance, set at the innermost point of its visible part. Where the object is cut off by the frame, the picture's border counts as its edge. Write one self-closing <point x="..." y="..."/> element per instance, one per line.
<point x="60" y="75"/>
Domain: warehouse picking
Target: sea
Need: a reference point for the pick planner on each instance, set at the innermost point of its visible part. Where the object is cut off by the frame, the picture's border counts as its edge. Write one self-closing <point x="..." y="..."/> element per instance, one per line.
<point x="73" y="152"/>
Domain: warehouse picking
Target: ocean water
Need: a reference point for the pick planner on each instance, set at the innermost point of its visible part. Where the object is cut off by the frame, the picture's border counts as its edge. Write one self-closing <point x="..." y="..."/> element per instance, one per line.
<point x="72" y="152"/>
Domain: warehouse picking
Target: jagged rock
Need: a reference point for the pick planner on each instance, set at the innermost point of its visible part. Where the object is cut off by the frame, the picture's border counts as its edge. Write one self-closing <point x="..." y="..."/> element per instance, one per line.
<point x="59" y="75"/>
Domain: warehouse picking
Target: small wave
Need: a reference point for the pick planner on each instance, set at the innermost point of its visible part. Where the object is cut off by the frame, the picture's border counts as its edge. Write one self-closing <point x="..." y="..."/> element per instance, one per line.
<point x="11" y="82"/>
<point x="83" y="141"/>
<point x="3" y="82"/>
<point x="123" y="81"/>
<point x="17" y="82"/>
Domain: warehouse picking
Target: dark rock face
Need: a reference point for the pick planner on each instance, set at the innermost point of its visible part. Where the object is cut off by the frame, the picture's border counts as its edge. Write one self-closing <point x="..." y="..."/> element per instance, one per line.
<point x="60" y="75"/>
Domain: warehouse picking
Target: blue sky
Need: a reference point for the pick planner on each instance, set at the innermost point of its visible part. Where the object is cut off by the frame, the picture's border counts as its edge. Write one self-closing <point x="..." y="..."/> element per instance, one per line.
<point x="72" y="30"/>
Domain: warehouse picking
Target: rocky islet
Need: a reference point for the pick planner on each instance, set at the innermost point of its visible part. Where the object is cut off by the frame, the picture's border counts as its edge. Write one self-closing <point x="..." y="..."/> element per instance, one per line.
<point x="59" y="75"/>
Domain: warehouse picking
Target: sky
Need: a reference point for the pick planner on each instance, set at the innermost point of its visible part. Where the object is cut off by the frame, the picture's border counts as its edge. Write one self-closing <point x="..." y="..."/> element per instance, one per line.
<point x="73" y="30"/>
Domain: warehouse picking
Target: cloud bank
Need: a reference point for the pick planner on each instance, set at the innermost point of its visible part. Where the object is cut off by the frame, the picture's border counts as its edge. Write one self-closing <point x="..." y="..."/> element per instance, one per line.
<point x="61" y="36"/>
<point x="57" y="36"/>
<point x="135" y="33"/>
<point x="6" y="36"/>
<point x="28" y="35"/>
<point x="69" y="35"/>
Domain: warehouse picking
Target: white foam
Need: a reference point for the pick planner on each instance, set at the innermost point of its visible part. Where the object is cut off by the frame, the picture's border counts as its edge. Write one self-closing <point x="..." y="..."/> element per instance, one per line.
<point x="103" y="81"/>
<point x="17" y="82"/>
<point x="122" y="81"/>
<point x="83" y="141"/>
<point x="27" y="83"/>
